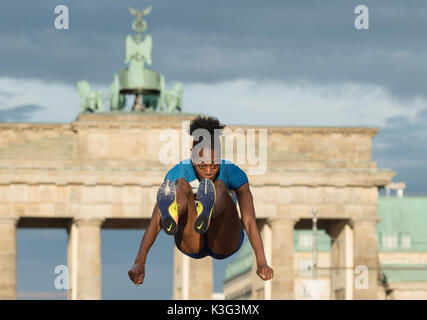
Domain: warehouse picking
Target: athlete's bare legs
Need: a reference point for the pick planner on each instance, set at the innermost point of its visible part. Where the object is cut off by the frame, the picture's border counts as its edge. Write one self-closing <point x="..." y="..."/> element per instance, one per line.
<point x="223" y="234"/>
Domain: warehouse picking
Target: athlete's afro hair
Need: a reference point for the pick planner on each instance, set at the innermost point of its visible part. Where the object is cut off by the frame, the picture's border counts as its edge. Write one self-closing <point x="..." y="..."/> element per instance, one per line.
<point x="211" y="124"/>
<point x="208" y="123"/>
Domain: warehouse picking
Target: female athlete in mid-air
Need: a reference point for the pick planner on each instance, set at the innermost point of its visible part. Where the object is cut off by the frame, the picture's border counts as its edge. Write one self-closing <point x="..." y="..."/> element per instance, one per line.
<point x="197" y="204"/>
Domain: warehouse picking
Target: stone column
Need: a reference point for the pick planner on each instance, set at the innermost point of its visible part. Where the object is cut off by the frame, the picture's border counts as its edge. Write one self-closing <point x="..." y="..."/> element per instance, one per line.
<point x="72" y="257"/>
<point x="282" y="258"/>
<point x="267" y="242"/>
<point x="84" y="259"/>
<point x="201" y="278"/>
<point x="341" y="261"/>
<point x="365" y="259"/>
<point x="193" y="278"/>
<point x="261" y="290"/>
<point x="8" y="257"/>
<point x="179" y="283"/>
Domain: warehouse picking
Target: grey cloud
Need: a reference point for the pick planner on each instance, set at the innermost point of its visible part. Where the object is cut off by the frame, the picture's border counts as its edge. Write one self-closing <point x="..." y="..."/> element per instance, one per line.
<point x="6" y="94"/>
<point x="401" y="146"/>
<point x="287" y="41"/>
<point x="19" y="113"/>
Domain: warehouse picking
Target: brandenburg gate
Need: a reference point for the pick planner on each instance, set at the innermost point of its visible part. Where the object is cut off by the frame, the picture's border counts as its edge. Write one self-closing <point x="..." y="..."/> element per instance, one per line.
<point x="103" y="171"/>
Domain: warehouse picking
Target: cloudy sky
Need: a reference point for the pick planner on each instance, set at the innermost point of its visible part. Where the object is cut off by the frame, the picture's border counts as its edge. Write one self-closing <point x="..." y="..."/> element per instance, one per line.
<point x="246" y="62"/>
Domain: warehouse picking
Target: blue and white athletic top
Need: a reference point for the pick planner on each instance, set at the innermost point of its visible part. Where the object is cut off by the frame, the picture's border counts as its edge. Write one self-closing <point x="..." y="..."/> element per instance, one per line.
<point x="232" y="175"/>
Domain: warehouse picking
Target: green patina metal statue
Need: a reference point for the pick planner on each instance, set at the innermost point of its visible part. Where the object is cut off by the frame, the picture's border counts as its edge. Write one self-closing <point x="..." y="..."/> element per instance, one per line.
<point x="147" y="85"/>
<point x="137" y="51"/>
<point x="90" y="100"/>
<point x="117" y="100"/>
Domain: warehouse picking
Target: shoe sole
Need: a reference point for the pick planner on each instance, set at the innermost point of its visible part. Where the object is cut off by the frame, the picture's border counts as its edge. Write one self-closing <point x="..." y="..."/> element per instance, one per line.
<point x="166" y="200"/>
<point x="206" y="195"/>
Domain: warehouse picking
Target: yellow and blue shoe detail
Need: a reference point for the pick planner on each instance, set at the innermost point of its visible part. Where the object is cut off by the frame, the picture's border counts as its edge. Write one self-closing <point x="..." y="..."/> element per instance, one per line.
<point x="166" y="200"/>
<point x="206" y="197"/>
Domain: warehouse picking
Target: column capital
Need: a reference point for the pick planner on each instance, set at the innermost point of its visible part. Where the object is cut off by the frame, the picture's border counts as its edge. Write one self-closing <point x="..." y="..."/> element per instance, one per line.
<point x="81" y="221"/>
<point x="9" y="219"/>
<point x="282" y="220"/>
<point x="364" y="221"/>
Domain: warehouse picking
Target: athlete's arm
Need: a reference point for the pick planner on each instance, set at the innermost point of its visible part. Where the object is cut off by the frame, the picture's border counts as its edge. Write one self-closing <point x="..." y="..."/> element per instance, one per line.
<point x="137" y="272"/>
<point x="247" y="210"/>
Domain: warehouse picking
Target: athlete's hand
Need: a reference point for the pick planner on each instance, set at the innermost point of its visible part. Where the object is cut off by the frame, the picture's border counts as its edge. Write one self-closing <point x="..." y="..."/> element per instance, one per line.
<point x="137" y="273"/>
<point x="264" y="272"/>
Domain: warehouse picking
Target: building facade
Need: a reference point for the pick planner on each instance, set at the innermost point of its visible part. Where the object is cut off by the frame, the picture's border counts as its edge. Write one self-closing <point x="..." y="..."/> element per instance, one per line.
<point x="401" y="239"/>
<point x="103" y="171"/>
